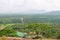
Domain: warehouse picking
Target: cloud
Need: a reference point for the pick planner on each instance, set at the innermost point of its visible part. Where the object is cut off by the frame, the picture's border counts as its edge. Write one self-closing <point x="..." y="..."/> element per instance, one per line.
<point x="23" y="5"/>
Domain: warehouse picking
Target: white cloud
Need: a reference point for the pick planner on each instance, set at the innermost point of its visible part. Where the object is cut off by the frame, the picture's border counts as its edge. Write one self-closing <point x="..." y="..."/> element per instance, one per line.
<point x="4" y="5"/>
<point x="23" y="5"/>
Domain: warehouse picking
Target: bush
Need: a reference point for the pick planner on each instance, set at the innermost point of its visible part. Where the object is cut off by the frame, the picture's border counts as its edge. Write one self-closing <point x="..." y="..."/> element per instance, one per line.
<point x="7" y="32"/>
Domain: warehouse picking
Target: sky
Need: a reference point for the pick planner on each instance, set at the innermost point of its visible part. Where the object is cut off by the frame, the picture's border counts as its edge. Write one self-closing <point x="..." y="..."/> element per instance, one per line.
<point x="7" y="6"/>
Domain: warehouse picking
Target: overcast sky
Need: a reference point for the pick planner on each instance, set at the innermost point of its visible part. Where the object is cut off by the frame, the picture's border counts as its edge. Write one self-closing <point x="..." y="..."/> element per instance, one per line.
<point x="24" y="5"/>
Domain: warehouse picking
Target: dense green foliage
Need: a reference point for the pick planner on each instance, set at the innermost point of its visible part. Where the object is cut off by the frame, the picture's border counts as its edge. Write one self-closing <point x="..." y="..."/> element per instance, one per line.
<point x="46" y="30"/>
<point x="7" y="32"/>
<point x="45" y="25"/>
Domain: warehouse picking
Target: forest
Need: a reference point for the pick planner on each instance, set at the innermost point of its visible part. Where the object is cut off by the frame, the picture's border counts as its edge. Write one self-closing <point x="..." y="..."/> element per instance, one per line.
<point x="33" y="26"/>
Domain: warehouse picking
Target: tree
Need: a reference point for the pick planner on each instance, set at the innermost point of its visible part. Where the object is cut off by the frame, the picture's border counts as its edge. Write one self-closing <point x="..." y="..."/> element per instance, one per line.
<point x="46" y="30"/>
<point x="7" y="31"/>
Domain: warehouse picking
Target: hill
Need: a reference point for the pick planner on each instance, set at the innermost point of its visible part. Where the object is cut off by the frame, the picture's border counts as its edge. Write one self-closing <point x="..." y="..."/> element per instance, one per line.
<point x="47" y="17"/>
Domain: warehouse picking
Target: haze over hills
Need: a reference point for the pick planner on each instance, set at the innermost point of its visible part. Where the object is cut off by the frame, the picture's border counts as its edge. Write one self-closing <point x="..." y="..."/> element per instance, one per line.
<point x="34" y="12"/>
<point x="53" y="13"/>
<point x="39" y="12"/>
<point x="46" y="17"/>
<point x="31" y="13"/>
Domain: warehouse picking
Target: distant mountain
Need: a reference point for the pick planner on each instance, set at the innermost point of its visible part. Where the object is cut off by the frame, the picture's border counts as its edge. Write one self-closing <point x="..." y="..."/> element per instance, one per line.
<point x="34" y="12"/>
<point x="43" y="12"/>
<point x="53" y="13"/>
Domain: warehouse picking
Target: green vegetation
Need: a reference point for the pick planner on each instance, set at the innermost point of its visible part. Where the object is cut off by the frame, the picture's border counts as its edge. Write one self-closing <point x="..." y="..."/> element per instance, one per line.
<point x="35" y="26"/>
<point x="37" y="18"/>
<point x="8" y="32"/>
<point x="45" y="30"/>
